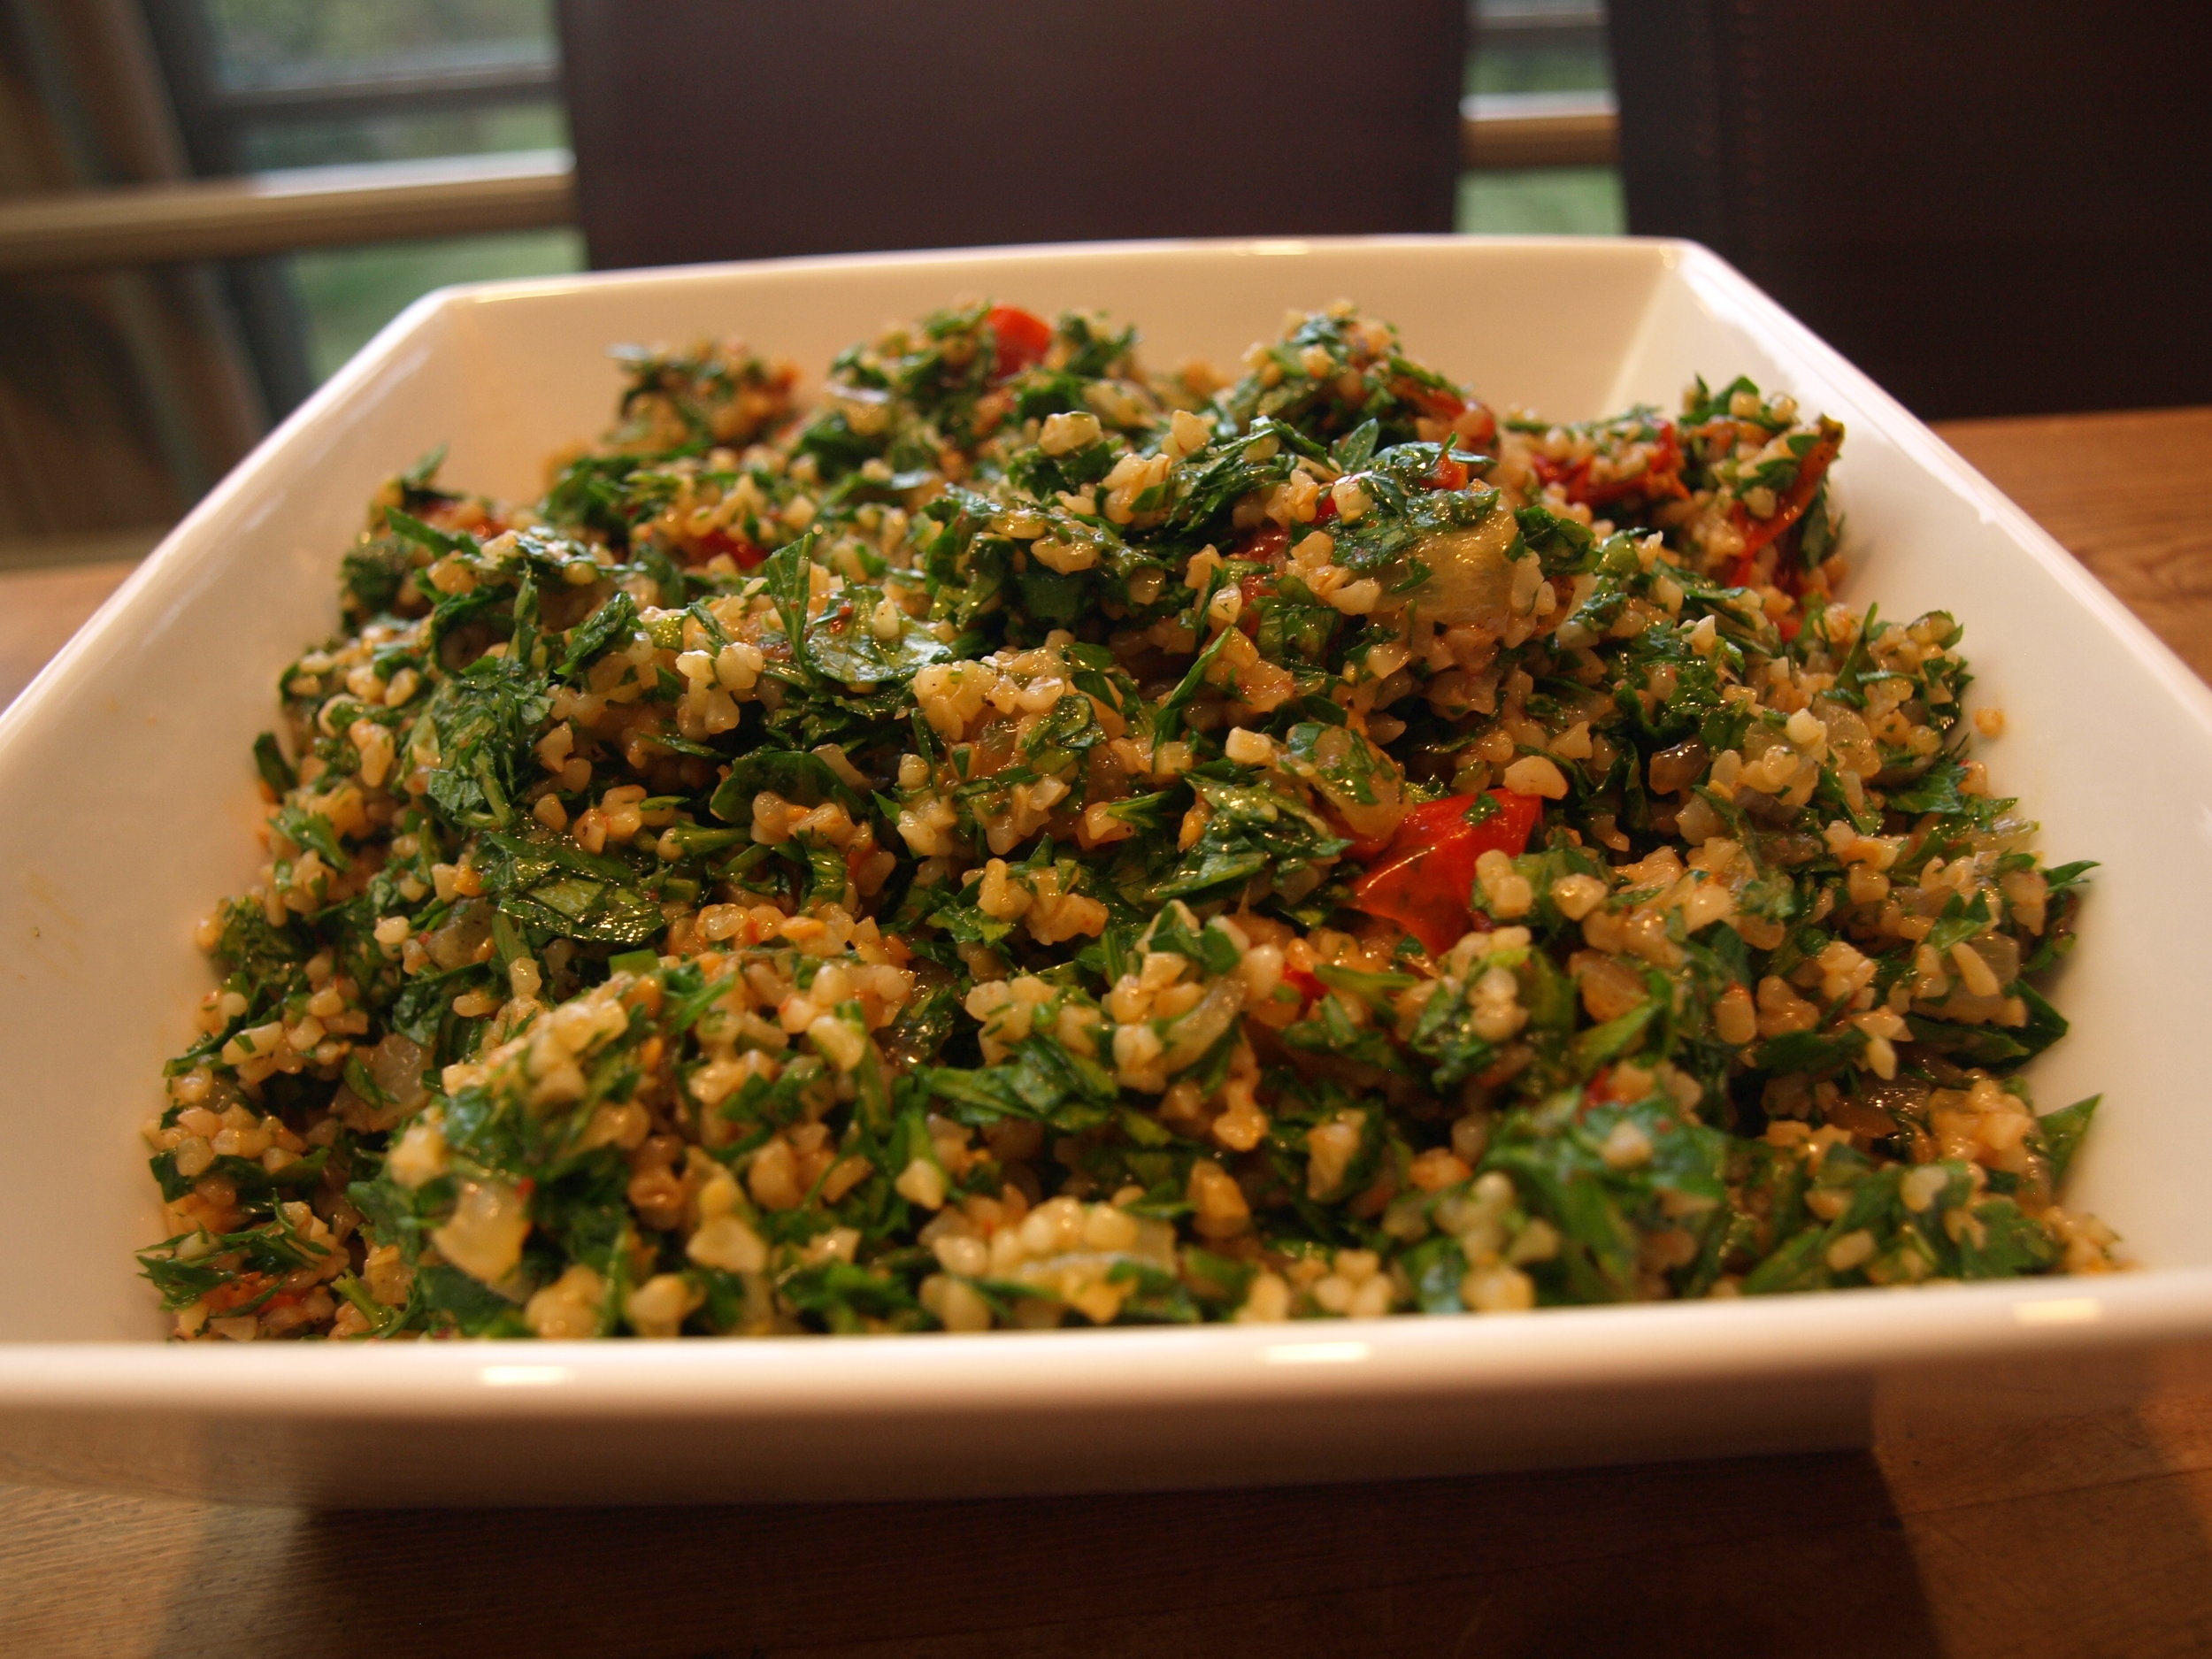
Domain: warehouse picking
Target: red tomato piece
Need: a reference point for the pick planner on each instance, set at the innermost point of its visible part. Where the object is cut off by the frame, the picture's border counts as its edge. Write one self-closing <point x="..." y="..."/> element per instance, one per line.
<point x="856" y="857"/>
<point x="1436" y="401"/>
<point x="1482" y="431"/>
<point x="1272" y="544"/>
<point x="460" y="514"/>
<point x="240" y="1291"/>
<point x="1798" y="497"/>
<point x="1596" y="1091"/>
<point x="1757" y="533"/>
<point x="1364" y="849"/>
<point x="1451" y="474"/>
<point x="1424" y="878"/>
<point x="1021" y="337"/>
<point x="1259" y="585"/>
<point x="1550" y="471"/>
<point x="1270" y="547"/>
<point x="744" y="554"/>
<point x="1508" y="828"/>
<point x="1660" y="478"/>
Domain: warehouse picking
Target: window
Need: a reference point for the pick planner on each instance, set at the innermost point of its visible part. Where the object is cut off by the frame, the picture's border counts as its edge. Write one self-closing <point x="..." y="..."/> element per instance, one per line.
<point x="1538" y="58"/>
<point x="263" y="85"/>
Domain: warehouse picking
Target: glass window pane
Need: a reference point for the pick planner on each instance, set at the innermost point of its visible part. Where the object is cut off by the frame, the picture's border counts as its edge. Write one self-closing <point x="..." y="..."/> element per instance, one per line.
<point x="1542" y="202"/>
<point x="284" y="42"/>
<point x="309" y="83"/>
<point x="350" y="293"/>
<point x="404" y="135"/>
<point x="1537" y="46"/>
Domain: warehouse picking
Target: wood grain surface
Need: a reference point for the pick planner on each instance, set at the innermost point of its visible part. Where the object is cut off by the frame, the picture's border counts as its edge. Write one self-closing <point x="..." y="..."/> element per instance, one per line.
<point x="2023" y="1514"/>
<point x="2126" y="493"/>
<point x="40" y="608"/>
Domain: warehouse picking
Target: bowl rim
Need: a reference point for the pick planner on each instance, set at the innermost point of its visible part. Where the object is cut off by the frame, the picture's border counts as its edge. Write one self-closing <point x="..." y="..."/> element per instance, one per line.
<point x="1557" y="1351"/>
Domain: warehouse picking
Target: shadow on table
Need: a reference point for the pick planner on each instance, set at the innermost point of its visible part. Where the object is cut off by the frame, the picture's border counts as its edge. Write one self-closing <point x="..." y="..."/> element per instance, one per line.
<point x="1802" y="1556"/>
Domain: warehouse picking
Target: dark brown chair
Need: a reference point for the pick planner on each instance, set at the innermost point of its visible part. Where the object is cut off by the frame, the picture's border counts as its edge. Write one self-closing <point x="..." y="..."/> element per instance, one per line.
<point x="1994" y="206"/>
<point x="721" y="129"/>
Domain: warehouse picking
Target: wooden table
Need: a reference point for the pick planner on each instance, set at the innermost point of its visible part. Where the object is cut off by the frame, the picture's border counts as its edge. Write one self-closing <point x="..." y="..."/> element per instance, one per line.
<point x="1977" y="1525"/>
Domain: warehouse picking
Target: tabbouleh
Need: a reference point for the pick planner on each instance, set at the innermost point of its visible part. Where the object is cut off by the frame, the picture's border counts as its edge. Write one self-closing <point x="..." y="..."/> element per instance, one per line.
<point x="1029" y="843"/>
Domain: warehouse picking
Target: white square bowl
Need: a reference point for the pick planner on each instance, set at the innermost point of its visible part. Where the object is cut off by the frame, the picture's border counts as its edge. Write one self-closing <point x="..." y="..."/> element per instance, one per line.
<point x="130" y="808"/>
